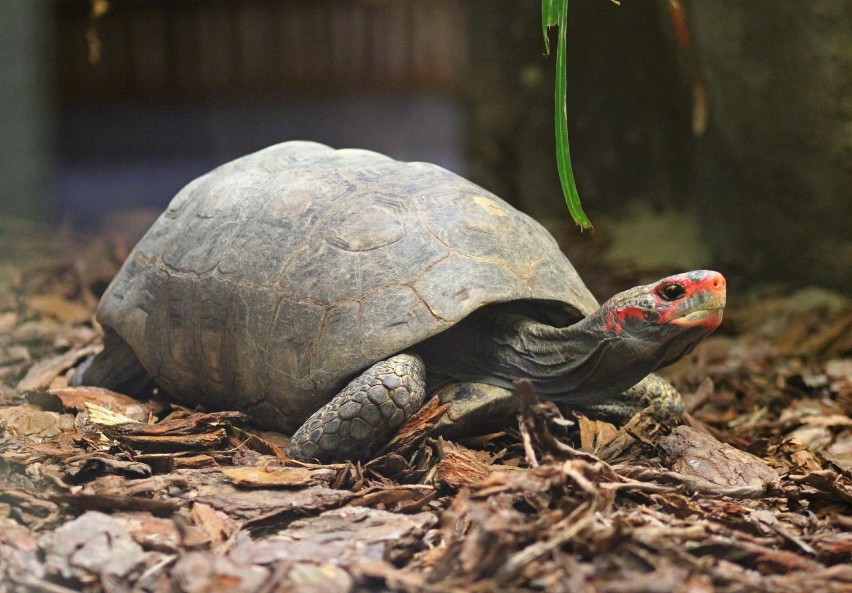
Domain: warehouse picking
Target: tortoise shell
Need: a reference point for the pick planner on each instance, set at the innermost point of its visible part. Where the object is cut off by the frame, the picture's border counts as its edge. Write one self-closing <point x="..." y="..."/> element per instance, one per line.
<point x="272" y="280"/>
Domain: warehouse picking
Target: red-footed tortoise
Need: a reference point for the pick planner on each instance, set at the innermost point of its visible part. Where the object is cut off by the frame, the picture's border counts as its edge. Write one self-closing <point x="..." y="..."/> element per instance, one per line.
<point x="328" y="292"/>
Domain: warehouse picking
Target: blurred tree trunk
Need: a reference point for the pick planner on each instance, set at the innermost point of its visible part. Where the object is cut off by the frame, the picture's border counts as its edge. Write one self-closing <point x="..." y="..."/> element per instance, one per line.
<point x="25" y="107"/>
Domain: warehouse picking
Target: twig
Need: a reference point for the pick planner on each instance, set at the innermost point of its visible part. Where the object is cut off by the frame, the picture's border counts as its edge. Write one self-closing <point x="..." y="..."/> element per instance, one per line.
<point x="529" y="452"/>
<point x="534" y="418"/>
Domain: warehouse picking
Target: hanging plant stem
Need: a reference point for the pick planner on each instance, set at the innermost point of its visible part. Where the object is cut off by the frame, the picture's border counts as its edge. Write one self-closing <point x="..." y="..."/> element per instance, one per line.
<point x="555" y="13"/>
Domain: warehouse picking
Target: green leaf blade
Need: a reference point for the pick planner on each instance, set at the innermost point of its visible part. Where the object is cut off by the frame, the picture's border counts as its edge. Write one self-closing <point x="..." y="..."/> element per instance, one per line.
<point x="549" y="18"/>
<point x="556" y="12"/>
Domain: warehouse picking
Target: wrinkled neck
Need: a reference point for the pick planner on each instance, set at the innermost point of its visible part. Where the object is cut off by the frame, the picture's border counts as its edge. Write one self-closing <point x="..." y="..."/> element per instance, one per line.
<point x="582" y="362"/>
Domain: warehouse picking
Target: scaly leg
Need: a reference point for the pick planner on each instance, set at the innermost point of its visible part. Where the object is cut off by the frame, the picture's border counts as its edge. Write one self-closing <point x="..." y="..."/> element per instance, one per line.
<point x="365" y="414"/>
<point x="653" y="390"/>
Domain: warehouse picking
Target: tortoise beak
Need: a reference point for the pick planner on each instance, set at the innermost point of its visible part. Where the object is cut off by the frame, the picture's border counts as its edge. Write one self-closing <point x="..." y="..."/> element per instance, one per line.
<point x="705" y="303"/>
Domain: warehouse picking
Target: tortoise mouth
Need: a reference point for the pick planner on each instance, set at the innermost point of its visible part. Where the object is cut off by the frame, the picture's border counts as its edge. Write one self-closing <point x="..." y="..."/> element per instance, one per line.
<point x="710" y="316"/>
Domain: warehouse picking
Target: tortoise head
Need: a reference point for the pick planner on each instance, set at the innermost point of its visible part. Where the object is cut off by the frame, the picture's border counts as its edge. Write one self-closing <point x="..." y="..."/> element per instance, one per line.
<point x="668" y="318"/>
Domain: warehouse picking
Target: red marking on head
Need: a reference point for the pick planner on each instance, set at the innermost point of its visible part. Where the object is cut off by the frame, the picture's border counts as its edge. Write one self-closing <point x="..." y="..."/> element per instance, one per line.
<point x="611" y="323"/>
<point x="708" y="287"/>
<point x="628" y="312"/>
<point x="616" y="318"/>
<point x="691" y="299"/>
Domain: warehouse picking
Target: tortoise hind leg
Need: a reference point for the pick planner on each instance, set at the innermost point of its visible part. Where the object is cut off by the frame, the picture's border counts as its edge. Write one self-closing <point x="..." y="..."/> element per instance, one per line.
<point x="365" y="414"/>
<point x="116" y="368"/>
<point x="653" y="391"/>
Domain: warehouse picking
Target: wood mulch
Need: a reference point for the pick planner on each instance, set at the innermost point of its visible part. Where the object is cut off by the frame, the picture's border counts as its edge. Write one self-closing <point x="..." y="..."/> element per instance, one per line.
<point x="103" y="492"/>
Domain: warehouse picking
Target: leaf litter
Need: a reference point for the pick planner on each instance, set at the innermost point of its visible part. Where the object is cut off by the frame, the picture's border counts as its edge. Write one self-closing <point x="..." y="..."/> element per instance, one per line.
<point x="102" y="492"/>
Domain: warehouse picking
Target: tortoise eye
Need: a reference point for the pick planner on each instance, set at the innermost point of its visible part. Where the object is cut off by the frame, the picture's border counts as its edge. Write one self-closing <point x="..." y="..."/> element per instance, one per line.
<point x="671" y="291"/>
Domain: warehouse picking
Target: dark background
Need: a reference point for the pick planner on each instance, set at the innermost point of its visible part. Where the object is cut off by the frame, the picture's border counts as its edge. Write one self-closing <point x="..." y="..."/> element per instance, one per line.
<point x="762" y="190"/>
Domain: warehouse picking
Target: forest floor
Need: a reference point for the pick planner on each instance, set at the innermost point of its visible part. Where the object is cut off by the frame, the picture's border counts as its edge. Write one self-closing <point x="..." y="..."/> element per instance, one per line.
<point x="101" y="492"/>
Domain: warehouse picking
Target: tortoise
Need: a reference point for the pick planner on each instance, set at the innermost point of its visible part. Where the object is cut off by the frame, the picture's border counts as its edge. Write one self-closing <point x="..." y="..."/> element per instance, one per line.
<point x="327" y="292"/>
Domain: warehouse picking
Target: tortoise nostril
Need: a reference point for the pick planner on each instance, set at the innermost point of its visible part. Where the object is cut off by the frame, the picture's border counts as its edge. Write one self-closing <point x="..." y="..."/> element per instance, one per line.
<point x="717" y="282"/>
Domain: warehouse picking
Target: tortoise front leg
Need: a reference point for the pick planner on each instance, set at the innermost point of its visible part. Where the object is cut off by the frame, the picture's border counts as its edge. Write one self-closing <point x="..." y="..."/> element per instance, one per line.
<point x="475" y="408"/>
<point x="365" y="414"/>
<point x="653" y="391"/>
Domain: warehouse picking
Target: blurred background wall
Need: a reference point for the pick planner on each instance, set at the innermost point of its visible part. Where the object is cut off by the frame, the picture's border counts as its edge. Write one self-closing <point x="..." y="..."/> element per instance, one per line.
<point x="116" y="113"/>
<point x="774" y="171"/>
<point x="182" y="86"/>
<point x="26" y="108"/>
